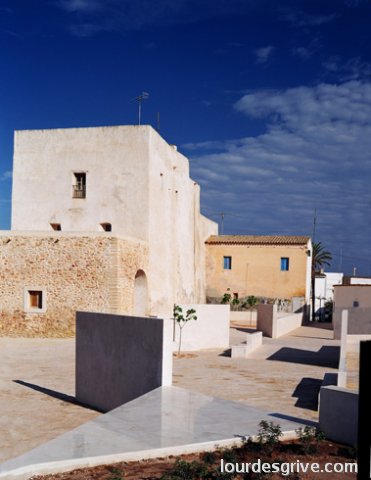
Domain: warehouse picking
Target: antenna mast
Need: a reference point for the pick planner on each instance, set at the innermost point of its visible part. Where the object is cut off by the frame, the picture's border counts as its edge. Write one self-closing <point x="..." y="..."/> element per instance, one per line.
<point x="139" y="99"/>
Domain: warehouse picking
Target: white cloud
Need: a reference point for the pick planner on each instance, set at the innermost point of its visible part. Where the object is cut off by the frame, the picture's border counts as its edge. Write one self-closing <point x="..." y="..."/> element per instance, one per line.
<point x="301" y="18"/>
<point x="315" y="153"/>
<point x="347" y="103"/>
<point x="117" y="15"/>
<point x="262" y="54"/>
<point x="351" y="69"/>
<point x="84" y="6"/>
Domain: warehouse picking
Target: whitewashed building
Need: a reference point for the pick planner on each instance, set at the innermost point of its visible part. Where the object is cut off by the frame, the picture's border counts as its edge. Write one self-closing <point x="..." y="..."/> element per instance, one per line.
<point x="107" y="213"/>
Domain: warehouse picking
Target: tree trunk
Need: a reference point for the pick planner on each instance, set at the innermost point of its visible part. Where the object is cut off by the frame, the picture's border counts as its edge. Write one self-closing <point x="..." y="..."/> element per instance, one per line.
<point x="180" y="339"/>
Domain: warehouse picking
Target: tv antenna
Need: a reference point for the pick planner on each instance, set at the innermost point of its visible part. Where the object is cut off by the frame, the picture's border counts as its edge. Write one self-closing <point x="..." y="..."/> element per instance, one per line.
<point x="139" y="99"/>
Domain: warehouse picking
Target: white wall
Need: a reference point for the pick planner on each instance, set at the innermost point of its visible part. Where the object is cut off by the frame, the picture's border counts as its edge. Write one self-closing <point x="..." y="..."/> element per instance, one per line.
<point x="360" y="280"/>
<point x="332" y="279"/>
<point x="177" y="231"/>
<point x="210" y="330"/>
<point x="274" y="324"/>
<point x="324" y="288"/>
<point x="308" y="283"/>
<point x="115" y="161"/>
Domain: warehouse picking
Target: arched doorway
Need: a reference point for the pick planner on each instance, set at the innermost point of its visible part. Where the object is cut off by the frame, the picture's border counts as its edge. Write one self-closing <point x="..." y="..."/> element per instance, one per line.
<point x="140" y="294"/>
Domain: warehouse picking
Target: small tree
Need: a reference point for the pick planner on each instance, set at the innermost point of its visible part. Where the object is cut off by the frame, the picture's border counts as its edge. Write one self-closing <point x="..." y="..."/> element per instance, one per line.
<point x="250" y="303"/>
<point x="182" y="320"/>
<point x="227" y="297"/>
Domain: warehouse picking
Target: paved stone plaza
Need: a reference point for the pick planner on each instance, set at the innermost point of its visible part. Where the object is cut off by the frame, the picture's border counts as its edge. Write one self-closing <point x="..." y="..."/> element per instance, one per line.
<point x="37" y="382"/>
<point x="284" y="375"/>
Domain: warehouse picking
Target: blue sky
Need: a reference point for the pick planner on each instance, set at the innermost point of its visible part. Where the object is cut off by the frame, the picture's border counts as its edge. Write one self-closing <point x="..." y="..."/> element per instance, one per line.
<point x="271" y="101"/>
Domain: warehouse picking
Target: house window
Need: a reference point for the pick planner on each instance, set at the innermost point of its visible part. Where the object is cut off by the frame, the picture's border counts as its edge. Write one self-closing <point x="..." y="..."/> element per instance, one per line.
<point x="79" y="185"/>
<point x="284" y="264"/>
<point x="227" y="263"/>
<point x="56" y="226"/>
<point x="235" y="296"/>
<point x="107" y="227"/>
<point x="356" y="303"/>
<point x="34" y="300"/>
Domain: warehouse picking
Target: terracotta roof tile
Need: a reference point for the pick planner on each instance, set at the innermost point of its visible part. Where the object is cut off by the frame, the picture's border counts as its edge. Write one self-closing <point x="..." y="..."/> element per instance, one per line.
<point x="257" y="240"/>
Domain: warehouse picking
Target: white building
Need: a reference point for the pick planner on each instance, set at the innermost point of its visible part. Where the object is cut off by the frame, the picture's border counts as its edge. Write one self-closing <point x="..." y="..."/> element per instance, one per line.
<point x="324" y="289"/>
<point x="123" y="183"/>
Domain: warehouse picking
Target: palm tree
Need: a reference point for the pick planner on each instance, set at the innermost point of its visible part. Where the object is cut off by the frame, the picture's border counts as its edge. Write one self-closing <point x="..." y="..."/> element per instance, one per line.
<point x="320" y="258"/>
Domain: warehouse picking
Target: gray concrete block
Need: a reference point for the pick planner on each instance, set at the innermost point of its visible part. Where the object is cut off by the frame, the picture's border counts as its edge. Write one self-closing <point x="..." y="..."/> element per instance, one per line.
<point x="118" y="358"/>
<point x="338" y="414"/>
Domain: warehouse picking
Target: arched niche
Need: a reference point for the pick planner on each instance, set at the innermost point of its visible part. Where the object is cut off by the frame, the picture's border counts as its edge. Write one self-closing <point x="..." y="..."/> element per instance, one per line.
<point x="140" y="294"/>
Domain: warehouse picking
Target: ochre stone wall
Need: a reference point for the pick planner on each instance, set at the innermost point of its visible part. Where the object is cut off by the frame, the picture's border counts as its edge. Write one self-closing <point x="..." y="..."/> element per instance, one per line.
<point x="256" y="270"/>
<point x="92" y="272"/>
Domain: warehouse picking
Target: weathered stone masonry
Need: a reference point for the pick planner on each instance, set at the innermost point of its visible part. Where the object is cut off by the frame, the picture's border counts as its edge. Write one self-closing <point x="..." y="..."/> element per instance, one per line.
<point x="93" y="272"/>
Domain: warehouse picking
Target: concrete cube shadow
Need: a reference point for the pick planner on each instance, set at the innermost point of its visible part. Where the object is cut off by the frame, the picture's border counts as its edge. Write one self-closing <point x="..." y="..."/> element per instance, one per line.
<point x="54" y="394"/>
<point x="326" y="356"/>
<point x="306" y="392"/>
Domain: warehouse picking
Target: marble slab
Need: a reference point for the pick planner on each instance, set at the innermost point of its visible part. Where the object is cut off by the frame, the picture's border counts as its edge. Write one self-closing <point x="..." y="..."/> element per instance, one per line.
<point x="168" y="420"/>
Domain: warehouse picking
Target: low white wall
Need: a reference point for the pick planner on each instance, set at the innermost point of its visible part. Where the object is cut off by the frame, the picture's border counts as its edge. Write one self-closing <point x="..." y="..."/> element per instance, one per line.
<point x="253" y="341"/>
<point x="354" y="342"/>
<point x="285" y="325"/>
<point x="338" y="414"/>
<point x="274" y="324"/>
<point x="210" y="330"/>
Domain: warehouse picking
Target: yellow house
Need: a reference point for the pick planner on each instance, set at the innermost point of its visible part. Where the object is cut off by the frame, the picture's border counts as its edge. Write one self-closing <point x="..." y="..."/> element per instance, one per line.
<point x="263" y="266"/>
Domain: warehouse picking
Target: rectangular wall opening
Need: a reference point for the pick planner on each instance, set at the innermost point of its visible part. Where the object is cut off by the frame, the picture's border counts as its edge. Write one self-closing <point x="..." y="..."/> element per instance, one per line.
<point x="35" y="298"/>
<point x="79" y="185"/>
<point x="106" y="227"/>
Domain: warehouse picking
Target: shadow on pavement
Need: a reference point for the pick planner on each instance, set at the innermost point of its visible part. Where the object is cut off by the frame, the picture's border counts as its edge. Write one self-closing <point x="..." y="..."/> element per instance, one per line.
<point x="326" y="356"/>
<point x="307" y="392"/>
<point x="54" y="394"/>
<point x="311" y="423"/>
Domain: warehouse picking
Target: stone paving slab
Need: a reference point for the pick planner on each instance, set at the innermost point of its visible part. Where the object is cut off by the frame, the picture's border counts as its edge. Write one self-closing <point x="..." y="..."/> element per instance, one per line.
<point x="37" y="388"/>
<point x="41" y="406"/>
<point x="168" y="420"/>
<point x="283" y="375"/>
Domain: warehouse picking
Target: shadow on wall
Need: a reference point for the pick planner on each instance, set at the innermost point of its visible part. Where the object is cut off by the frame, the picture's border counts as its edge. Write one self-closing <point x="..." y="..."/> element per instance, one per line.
<point x="306" y="392"/>
<point x="326" y="356"/>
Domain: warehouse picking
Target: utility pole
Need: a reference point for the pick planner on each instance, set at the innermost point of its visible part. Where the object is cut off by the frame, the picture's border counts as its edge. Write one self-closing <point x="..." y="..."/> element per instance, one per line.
<point x="158" y="121"/>
<point x="314" y="225"/>
<point x="222" y="214"/>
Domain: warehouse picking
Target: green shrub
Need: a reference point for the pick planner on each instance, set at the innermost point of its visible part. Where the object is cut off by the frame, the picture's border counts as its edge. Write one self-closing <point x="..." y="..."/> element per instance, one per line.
<point x="309" y="438"/>
<point x="269" y="434"/>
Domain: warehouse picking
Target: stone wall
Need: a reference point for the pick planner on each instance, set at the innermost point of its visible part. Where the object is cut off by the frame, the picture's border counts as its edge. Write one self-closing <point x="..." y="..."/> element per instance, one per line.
<point x="91" y="272"/>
